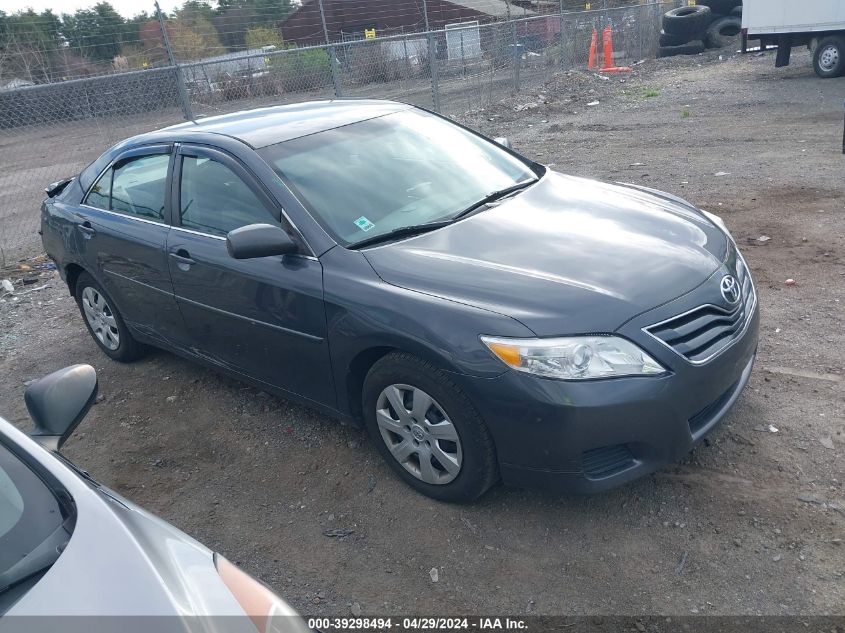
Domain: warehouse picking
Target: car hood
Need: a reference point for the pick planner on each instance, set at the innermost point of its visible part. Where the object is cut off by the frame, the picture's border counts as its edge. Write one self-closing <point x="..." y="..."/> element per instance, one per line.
<point x="567" y="255"/>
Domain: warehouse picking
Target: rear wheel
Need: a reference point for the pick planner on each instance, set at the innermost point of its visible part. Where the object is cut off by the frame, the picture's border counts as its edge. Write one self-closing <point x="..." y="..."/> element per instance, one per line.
<point x="427" y="430"/>
<point x="104" y="322"/>
<point x="829" y="57"/>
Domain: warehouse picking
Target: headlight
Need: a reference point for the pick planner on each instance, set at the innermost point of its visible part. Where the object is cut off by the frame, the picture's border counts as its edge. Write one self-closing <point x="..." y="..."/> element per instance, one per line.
<point x="715" y="219"/>
<point x="268" y="612"/>
<point x="574" y="358"/>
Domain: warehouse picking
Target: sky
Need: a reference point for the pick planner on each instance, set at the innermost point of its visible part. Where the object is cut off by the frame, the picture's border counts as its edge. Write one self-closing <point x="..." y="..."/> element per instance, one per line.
<point x="126" y="8"/>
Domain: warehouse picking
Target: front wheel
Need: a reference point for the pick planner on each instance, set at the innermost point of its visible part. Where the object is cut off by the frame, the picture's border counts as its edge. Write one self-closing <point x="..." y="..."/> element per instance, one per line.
<point x="427" y="430"/>
<point x="829" y="57"/>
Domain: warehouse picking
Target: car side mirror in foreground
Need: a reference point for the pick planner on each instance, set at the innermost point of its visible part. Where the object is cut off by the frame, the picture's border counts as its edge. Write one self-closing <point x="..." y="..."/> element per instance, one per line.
<point x="58" y="402"/>
<point x="504" y="141"/>
<point x="259" y="240"/>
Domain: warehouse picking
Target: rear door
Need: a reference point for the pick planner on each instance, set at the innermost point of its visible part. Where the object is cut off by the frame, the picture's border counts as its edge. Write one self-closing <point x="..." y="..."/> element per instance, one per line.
<point x="123" y="222"/>
<point x="262" y="317"/>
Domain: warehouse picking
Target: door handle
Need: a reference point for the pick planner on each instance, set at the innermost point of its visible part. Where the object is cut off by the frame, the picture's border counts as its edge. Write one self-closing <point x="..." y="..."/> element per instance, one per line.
<point x="182" y="257"/>
<point x="86" y="229"/>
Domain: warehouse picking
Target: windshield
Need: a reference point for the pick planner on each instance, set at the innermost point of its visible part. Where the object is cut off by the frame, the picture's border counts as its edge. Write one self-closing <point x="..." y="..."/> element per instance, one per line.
<point x="408" y="168"/>
<point x="30" y="517"/>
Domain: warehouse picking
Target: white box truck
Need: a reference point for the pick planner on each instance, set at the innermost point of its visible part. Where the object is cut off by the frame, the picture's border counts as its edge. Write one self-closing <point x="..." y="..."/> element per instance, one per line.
<point x="818" y="24"/>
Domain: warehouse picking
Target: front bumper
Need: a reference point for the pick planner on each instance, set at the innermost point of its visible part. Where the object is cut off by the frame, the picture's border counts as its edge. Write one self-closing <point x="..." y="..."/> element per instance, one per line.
<point x="593" y="435"/>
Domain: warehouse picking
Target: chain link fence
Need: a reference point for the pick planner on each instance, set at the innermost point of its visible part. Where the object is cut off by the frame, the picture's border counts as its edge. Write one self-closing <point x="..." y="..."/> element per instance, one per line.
<point x="53" y="130"/>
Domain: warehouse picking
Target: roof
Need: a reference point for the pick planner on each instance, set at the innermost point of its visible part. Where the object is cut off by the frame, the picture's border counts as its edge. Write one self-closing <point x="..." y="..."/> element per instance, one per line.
<point x="266" y="126"/>
<point x="236" y="55"/>
<point x="497" y="8"/>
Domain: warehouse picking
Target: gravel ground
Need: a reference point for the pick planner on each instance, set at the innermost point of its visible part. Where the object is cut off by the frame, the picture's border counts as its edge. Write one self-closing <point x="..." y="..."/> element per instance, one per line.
<point x="751" y="523"/>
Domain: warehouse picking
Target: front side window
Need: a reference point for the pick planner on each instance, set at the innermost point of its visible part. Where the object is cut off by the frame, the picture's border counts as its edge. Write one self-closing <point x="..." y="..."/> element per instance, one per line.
<point x="214" y="199"/>
<point x="133" y="186"/>
<point x="406" y="168"/>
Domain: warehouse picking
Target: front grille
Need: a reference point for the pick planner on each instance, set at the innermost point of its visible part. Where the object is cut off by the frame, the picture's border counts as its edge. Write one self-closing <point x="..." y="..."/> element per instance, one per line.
<point x="606" y="461"/>
<point x="702" y="333"/>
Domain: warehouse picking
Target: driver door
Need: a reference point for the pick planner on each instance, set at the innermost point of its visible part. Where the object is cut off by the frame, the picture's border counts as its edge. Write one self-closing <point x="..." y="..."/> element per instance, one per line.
<point x="261" y="317"/>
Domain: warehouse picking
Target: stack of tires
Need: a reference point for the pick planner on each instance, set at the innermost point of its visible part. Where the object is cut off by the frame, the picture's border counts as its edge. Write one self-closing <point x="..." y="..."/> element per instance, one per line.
<point x="710" y="24"/>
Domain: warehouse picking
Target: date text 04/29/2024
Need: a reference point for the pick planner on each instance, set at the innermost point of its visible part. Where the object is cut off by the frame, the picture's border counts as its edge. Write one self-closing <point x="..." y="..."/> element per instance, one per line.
<point x="376" y="624"/>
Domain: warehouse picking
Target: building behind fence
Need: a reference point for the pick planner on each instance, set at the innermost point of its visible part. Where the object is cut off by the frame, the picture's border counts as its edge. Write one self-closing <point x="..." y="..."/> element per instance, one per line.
<point x="50" y="131"/>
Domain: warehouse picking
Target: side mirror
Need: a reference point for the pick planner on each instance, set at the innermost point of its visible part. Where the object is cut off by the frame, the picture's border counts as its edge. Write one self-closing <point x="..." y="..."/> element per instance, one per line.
<point x="259" y="240"/>
<point x="503" y="141"/>
<point x="58" y="402"/>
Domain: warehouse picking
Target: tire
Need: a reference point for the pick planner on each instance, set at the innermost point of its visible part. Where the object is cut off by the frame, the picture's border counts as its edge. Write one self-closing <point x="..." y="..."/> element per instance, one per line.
<point x="104" y="323"/>
<point x="691" y="48"/>
<point x="721" y="6"/>
<point x="722" y="32"/>
<point x="689" y="22"/>
<point x="737" y="11"/>
<point x="667" y="39"/>
<point x="829" y="57"/>
<point x="465" y="446"/>
<point x="713" y="18"/>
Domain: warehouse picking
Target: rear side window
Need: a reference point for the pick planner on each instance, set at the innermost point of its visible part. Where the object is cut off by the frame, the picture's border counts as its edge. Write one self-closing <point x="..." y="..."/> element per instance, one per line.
<point x="213" y="199"/>
<point x="135" y="186"/>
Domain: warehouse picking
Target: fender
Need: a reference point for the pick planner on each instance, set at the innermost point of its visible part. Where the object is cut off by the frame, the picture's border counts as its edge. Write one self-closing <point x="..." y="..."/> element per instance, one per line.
<point x="368" y="317"/>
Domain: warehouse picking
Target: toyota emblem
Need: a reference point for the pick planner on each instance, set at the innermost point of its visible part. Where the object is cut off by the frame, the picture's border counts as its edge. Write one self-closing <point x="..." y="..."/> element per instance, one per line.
<point x="730" y="289"/>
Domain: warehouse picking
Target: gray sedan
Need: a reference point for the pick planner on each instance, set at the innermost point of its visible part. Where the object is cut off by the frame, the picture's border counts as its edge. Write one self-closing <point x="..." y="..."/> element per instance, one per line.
<point x="71" y="547"/>
<point x="483" y="316"/>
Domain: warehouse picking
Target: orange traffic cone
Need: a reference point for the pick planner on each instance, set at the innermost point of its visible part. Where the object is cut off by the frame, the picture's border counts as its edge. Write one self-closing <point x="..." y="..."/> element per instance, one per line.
<point x="594" y="41"/>
<point x="607" y="45"/>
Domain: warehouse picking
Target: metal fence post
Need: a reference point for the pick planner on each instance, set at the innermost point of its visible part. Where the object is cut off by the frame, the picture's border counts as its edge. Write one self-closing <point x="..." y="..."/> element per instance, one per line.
<point x="338" y="88"/>
<point x="407" y="59"/>
<point x="562" y="35"/>
<point x="432" y="62"/>
<point x="517" y="56"/>
<point x="184" y="101"/>
<point x="323" y="20"/>
<point x="463" y="57"/>
<point x="338" y="91"/>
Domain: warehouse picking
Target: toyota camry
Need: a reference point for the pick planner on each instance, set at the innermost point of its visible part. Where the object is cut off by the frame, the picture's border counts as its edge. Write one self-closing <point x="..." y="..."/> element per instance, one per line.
<point x="485" y="317"/>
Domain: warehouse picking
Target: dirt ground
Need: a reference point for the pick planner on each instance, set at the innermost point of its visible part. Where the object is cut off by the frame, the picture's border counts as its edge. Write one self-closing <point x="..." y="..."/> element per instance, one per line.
<point x="751" y="523"/>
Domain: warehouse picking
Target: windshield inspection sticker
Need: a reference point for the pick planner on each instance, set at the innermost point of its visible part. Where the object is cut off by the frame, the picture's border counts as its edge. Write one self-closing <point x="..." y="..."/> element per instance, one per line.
<point x="364" y="224"/>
